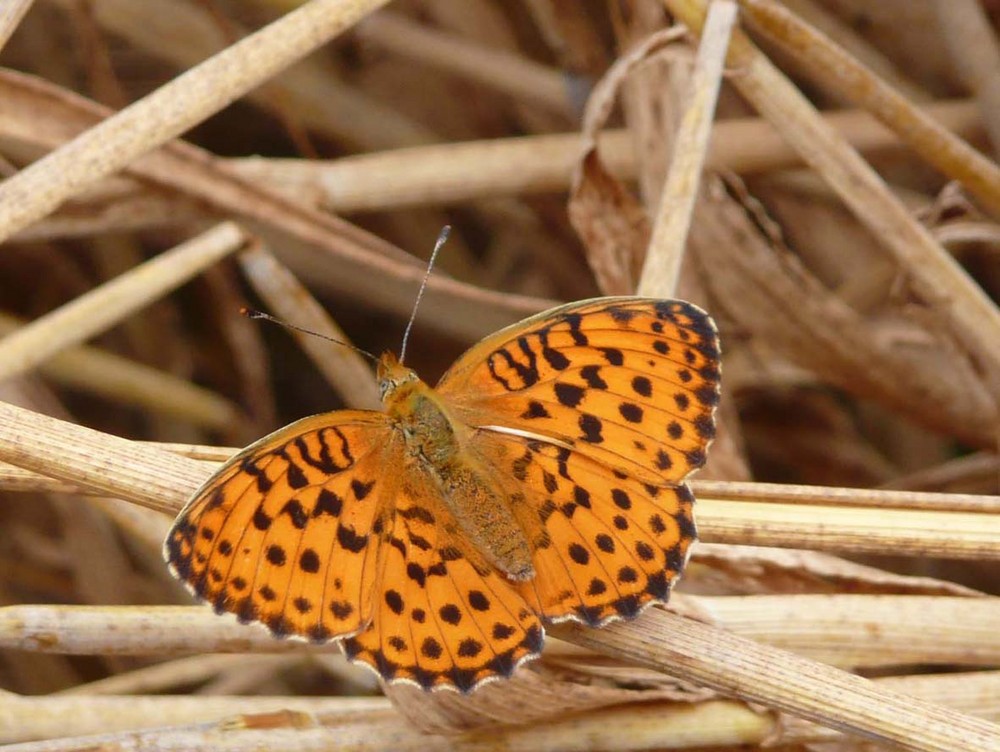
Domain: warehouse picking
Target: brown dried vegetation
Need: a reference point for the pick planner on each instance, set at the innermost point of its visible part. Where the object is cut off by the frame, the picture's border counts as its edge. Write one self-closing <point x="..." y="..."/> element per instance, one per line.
<point x="850" y="511"/>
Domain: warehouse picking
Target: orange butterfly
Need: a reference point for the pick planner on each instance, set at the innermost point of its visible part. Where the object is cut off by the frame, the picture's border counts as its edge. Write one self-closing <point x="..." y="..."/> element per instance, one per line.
<point x="541" y="480"/>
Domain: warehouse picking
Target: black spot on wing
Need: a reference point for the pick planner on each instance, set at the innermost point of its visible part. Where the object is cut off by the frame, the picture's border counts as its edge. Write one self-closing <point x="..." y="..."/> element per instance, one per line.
<point x="294" y="475"/>
<point x="554" y="358"/>
<point x="535" y="409"/>
<point x="592" y="375"/>
<point x="642" y="386"/>
<point x="591" y="427"/>
<point x="327" y="503"/>
<point x="630" y="412"/>
<point x="323" y="461"/>
<point x="469" y="648"/>
<point x="394" y="601"/>
<point x="613" y="355"/>
<point x="527" y="373"/>
<point x="707" y="395"/>
<point x="450" y="614"/>
<point x="431" y="648"/>
<point x="695" y="458"/>
<point x="569" y="395"/>
<point x="705" y="427"/>
<point x="295" y="513"/>
<point x="249" y="467"/>
<point x="261" y="520"/>
<point x="349" y="540"/>
<point x="360" y="489"/>
<point x="309" y="561"/>
<point x="574" y="320"/>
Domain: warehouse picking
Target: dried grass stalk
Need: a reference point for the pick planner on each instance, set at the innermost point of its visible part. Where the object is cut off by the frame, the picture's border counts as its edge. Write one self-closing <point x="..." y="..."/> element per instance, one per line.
<point x="532" y="83"/>
<point x="11" y="14"/>
<point x="126" y="382"/>
<point x="318" y="246"/>
<point x="662" y="265"/>
<point x="734" y="666"/>
<point x="467" y="171"/>
<point x="850" y="631"/>
<point x="31" y="441"/>
<point x="308" y="94"/>
<point x="102" y="462"/>
<point x="113" y="301"/>
<point x="974" y="47"/>
<point x="173" y="109"/>
<point x="847" y="75"/>
<point x="934" y="274"/>
<point x="710" y="656"/>
<point x="343" y="367"/>
<point x="25" y="718"/>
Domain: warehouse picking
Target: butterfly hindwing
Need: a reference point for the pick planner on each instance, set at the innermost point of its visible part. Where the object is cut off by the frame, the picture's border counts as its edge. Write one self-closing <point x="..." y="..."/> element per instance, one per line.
<point x="605" y="545"/>
<point x="444" y="618"/>
<point x="630" y="382"/>
<point x="287" y="532"/>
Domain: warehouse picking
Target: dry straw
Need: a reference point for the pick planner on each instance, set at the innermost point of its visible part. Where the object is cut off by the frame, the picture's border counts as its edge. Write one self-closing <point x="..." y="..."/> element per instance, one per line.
<point x="763" y="646"/>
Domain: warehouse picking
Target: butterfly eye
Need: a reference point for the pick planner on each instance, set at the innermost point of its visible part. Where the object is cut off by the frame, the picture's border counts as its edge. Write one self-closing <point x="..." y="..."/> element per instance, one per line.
<point x="390" y="384"/>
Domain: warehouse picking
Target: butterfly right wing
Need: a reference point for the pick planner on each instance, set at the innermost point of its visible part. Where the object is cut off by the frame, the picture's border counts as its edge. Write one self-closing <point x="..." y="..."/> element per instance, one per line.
<point x="604" y="545"/>
<point x="287" y="533"/>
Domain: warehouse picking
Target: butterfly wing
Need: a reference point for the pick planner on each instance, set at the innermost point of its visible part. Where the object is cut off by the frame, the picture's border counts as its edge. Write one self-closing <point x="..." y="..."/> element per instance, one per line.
<point x="604" y="544"/>
<point x="287" y="533"/>
<point x="629" y="382"/>
<point x="444" y="617"/>
<point x="596" y="411"/>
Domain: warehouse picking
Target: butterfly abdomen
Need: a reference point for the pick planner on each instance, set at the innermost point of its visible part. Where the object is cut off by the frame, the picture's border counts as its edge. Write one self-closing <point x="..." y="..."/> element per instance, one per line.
<point x="433" y="441"/>
<point x="486" y="517"/>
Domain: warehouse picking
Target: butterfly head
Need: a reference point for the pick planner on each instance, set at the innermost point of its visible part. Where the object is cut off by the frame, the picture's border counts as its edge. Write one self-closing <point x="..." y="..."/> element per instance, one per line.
<point x="392" y="375"/>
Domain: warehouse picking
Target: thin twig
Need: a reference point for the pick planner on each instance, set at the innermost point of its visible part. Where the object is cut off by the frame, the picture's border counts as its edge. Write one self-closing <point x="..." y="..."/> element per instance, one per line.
<point x="343" y="368"/>
<point x="736" y="666"/>
<point x="470" y="170"/>
<point x="521" y="78"/>
<point x="975" y="51"/>
<point x="11" y="13"/>
<point x="830" y="62"/>
<point x="107" y="304"/>
<point x="172" y="109"/>
<point x="111" y="465"/>
<point x="662" y="266"/>
<point x="126" y="382"/>
<point x="933" y="273"/>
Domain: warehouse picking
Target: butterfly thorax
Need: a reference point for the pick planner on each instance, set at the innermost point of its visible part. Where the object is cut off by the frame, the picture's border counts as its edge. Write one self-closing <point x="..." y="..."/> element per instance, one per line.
<point x="435" y="443"/>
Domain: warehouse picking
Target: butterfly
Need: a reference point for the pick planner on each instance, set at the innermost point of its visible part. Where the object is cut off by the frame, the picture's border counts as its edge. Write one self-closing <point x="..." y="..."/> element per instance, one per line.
<point x="540" y="480"/>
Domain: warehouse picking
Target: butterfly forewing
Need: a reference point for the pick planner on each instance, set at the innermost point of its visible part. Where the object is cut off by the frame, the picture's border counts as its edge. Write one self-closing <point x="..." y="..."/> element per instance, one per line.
<point x="287" y="532"/>
<point x="630" y="382"/>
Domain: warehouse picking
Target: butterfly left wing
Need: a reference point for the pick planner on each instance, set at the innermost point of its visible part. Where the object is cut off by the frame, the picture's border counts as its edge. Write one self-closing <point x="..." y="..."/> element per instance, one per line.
<point x="629" y="382"/>
<point x="444" y="619"/>
<point x="287" y="532"/>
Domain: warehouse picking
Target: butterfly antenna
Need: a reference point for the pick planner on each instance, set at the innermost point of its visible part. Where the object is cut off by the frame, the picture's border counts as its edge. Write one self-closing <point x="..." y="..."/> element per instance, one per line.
<point x="442" y="239"/>
<point x="251" y="313"/>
